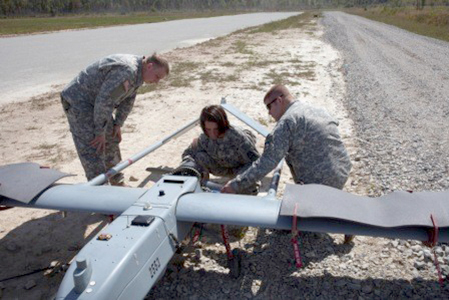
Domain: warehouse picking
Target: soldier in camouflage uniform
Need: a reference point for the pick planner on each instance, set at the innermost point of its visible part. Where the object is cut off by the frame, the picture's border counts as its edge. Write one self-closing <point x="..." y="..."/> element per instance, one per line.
<point x="307" y="137"/>
<point x="90" y="100"/>
<point x="222" y="150"/>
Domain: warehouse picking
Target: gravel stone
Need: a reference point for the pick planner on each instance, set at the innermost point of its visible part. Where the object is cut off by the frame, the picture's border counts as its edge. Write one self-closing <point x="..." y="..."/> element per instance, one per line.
<point x="30" y="284"/>
<point x="367" y="289"/>
<point x="416" y="248"/>
<point x="419" y="265"/>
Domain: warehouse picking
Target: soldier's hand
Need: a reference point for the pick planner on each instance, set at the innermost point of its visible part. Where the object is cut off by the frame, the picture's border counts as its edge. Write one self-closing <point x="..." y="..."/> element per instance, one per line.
<point x="117" y="132"/>
<point x="227" y="189"/>
<point x="194" y="143"/>
<point x="99" y="142"/>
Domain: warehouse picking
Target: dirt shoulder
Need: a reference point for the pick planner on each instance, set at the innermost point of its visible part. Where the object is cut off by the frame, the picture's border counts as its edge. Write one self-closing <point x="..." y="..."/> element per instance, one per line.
<point x="240" y="67"/>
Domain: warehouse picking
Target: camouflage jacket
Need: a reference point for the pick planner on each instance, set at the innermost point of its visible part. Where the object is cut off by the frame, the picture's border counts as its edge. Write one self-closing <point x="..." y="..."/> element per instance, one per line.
<point x="224" y="156"/>
<point x="108" y="84"/>
<point x="308" y="138"/>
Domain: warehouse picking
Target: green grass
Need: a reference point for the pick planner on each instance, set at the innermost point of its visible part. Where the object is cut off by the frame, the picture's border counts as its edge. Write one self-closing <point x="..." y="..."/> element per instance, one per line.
<point x="216" y="42"/>
<point x="261" y="63"/>
<point x="292" y="22"/>
<point x="228" y="64"/>
<point x="431" y="21"/>
<point x="186" y="72"/>
<point x="210" y="76"/>
<point x="289" y="78"/>
<point x="185" y="66"/>
<point x="241" y="47"/>
<point x="232" y="77"/>
<point x="13" y="26"/>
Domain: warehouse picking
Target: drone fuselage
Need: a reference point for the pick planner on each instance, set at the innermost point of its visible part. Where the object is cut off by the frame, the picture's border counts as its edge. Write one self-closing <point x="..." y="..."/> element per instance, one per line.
<point x="128" y="256"/>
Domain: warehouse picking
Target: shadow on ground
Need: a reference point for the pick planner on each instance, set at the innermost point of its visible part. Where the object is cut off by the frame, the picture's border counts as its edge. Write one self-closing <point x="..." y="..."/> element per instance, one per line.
<point x="34" y="245"/>
<point x="269" y="272"/>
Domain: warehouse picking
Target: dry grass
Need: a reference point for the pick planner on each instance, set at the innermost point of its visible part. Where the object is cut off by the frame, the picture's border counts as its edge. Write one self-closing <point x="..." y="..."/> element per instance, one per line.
<point x="46" y="146"/>
<point x="180" y="76"/>
<point x="228" y="64"/>
<point x="190" y="73"/>
<point x="129" y="128"/>
<point x="289" y="78"/>
<point x="292" y="22"/>
<point x="43" y="101"/>
<point x="241" y="47"/>
<point x="263" y="121"/>
<point x="210" y="76"/>
<point x="53" y="154"/>
<point x="430" y="21"/>
<point x="261" y="63"/>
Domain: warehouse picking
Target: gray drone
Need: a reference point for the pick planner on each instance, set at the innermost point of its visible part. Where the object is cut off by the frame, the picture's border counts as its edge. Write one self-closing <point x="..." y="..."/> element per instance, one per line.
<point x="127" y="257"/>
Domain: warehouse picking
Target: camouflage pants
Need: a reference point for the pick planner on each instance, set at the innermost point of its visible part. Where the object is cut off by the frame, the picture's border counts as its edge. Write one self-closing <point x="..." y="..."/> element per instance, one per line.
<point x="81" y="121"/>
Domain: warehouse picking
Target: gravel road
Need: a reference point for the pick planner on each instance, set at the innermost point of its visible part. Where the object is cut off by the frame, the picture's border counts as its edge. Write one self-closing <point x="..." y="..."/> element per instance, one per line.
<point x="397" y="95"/>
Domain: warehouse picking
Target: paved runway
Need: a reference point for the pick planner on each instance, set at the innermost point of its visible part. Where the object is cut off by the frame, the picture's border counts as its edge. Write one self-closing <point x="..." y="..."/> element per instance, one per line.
<point x="31" y="64"/>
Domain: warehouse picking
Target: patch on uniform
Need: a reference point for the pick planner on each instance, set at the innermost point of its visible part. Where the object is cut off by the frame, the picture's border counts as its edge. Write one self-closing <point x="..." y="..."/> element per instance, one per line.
<point x="126" y="86"/>
<point x="119" y="91"/>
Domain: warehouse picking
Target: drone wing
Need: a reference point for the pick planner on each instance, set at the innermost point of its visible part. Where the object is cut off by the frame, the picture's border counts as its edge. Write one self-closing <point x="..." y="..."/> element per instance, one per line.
<point x="320" y="208"/>
<point x="24" y="181"/>
<point x="28" y="184"/>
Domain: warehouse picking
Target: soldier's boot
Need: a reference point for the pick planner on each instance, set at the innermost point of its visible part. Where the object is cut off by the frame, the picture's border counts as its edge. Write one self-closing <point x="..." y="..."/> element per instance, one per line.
<point x="118" y="180"/>
<point x="348" y="238"/>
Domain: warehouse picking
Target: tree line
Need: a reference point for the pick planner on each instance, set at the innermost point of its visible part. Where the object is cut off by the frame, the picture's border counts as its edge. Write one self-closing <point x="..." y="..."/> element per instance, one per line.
<point x="61" y="7"/>
<point x="54" y="7"/>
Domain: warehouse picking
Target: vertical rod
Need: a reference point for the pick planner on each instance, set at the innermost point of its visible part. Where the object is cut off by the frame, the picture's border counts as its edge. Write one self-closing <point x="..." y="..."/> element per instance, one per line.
<point x="275" y="181"/>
